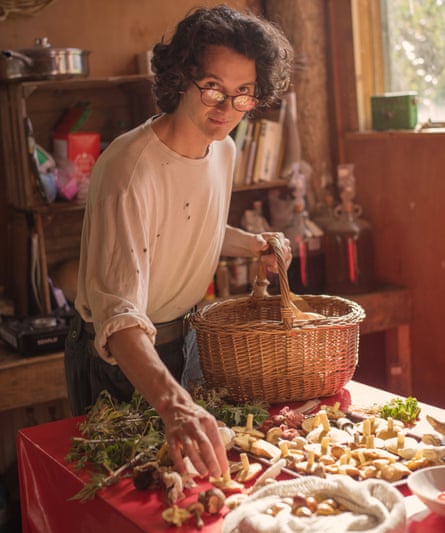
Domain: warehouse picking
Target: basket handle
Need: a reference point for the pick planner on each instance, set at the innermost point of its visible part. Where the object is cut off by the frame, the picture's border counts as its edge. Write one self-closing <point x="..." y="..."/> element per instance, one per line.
<point x="288" y="310"/>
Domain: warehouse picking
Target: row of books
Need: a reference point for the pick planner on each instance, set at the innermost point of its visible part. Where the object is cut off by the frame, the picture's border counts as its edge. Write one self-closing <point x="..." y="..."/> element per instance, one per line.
<point x="260" y="147"/>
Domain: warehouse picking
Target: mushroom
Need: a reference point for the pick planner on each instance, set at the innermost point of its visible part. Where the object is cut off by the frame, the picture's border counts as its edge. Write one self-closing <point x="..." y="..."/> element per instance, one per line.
<point x="274" y="435"/>
<point x="333" y="411"/>
<point x="190" y="473"/>
<point x="389" y="430"/>
<point x="173" y="486"/>
<point x="266" y="449"/>
<point x="248" y="470"/>
<point x="431" y="439"/>
<point x="270" y="473"/>
<point x="248" y="428"/>
<point x="405" y="447"/>
<point x="394" y="472"/>
<point x="335" y="435"/>
<point x="437" y="425"/>
<point x="235" y="500"/>
<point x="227" y="435"/>
<point x="175" y="515"/>
<point x="212" y="499"/>
<point x="196" y="509"/>
<point x="226" y="483"/>
<point x="146" y="476"/>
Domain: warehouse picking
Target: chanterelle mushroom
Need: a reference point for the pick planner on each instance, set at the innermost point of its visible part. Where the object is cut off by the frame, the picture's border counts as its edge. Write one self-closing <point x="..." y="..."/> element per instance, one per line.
<point x="175" y="515"/>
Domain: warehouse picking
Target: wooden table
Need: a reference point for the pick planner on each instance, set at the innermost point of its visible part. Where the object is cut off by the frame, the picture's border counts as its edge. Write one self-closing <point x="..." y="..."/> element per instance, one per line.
<point x="47" y="483"/>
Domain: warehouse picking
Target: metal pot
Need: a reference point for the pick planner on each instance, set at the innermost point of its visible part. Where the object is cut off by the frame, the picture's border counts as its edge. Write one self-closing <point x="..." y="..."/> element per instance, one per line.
<point x="43" y="62"/>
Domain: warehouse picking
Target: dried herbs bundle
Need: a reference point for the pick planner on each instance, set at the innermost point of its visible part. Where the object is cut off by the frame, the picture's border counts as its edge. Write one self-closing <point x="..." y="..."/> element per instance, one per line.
<point x="116" y="437"/>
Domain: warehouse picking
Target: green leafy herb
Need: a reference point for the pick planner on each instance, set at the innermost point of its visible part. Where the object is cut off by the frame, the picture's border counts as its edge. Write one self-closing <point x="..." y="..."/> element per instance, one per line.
<point x="406" y="411"/>
<point x="232" y="415"/>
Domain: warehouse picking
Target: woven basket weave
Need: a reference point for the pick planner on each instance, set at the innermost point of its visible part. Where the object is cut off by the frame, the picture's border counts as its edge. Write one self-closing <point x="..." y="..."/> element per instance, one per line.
<point x="257" y="347"/>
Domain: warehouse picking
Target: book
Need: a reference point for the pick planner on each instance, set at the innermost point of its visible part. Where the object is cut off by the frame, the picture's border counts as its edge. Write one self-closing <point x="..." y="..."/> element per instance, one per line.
<point x="242" y="138"/>
<point x="268" y="149"/>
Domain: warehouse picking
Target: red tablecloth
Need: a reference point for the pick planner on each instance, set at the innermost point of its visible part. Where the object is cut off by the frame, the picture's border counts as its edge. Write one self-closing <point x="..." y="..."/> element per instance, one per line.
<point x="47" y="483"/>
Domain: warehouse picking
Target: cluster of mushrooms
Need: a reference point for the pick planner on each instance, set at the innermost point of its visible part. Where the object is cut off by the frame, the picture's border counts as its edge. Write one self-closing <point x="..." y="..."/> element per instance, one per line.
<point x="327" y="442"/>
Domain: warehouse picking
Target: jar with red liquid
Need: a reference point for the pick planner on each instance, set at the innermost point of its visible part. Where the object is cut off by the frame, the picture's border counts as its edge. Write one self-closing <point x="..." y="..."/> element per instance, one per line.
<point x="348" y="243"/>
<point x="306" y="271"/>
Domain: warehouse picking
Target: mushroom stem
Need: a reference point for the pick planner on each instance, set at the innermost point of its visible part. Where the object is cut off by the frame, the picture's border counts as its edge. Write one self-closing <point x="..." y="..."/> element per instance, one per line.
<point x="249" y="422"/>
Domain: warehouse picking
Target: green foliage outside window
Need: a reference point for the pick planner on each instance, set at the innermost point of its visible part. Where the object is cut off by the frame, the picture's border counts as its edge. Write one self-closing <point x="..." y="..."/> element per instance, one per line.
<point x="414" y="48"/>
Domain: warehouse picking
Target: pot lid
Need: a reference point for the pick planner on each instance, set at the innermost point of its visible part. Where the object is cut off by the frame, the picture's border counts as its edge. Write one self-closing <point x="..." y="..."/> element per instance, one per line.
<point x="43" y="46"/>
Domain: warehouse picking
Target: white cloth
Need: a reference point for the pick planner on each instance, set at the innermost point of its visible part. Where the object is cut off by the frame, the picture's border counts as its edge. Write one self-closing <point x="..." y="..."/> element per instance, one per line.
<point x="153" y="230"/>
<point x="376" y="507"/>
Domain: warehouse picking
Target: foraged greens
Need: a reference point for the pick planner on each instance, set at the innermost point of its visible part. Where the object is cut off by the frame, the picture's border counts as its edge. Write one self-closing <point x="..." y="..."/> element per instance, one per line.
<point x="116" y="437"/>
<point x="406" y="411"/>
<point x="232" y="415"/>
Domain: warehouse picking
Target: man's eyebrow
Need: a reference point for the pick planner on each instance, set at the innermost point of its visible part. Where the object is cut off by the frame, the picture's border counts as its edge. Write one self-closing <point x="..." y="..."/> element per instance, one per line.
<point x="215" y="77"/>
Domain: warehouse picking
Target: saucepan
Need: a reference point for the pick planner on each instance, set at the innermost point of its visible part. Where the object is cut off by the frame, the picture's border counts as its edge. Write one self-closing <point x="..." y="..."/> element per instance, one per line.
<point x="43" y="61"/>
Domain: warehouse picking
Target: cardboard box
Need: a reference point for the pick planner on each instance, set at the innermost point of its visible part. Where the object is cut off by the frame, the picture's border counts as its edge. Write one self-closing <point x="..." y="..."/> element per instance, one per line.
<point x="81" y="149"/>
<point x="394" y="111"/>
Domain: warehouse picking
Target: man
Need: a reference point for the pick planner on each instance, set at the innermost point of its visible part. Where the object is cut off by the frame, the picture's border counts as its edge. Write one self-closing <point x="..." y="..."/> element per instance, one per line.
<point x="155" y="223"/>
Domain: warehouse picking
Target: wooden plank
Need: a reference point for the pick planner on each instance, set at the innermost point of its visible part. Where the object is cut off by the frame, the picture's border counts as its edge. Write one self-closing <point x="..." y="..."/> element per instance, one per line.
<point x="44" y="287"/>
<point x="386" y="308"/>
<point x="32" y="380"/>
<point x="398" y="360"/>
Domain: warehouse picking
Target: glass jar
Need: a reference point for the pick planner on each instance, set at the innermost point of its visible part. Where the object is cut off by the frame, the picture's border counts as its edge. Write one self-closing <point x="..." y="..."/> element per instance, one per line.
<point x="306" y="271"/>
<point x="347" y="242"/>
<point x="222" y="280"/>
<point x="239" y="275"/>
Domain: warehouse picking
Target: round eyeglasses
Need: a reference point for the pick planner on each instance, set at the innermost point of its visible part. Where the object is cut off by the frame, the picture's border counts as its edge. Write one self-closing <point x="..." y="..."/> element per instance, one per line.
<point x="214" y="97"/>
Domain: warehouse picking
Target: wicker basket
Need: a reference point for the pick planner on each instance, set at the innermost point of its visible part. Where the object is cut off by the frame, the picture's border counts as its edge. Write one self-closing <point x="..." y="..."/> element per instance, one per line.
<point x="258" y="347"/>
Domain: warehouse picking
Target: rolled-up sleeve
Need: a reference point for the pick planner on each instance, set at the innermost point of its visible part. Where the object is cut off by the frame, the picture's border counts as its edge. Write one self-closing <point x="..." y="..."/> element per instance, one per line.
<point x="115" y="283"/>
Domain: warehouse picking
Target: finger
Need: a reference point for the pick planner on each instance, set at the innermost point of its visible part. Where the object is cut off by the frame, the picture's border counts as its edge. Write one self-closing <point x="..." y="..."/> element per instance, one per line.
<point x="213" y="456"/>
<point x="193" y="453"/>
<point x="175" y="452"/>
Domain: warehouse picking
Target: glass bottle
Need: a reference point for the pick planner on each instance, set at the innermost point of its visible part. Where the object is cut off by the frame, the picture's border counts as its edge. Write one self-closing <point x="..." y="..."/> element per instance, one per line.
<point x="347" y="242"/>
<point x="306" y="271"/>
<point x="222" y="279"/>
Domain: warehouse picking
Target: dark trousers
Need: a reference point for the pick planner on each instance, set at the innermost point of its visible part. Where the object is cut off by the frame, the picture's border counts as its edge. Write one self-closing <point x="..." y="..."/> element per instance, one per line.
<point x="87" y="374"/>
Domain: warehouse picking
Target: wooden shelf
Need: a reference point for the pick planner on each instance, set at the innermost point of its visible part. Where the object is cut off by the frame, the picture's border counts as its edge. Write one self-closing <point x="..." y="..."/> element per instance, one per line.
<point x="75" y="84"/>
<point x="261" y="185"/>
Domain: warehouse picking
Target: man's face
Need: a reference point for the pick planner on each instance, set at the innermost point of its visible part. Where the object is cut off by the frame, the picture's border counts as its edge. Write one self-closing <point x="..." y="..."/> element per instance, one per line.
<point x="232" y="74"/>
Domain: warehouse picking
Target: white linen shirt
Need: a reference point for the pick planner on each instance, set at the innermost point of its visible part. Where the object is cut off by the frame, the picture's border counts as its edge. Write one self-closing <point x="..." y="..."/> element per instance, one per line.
<point x="152" y="232"/>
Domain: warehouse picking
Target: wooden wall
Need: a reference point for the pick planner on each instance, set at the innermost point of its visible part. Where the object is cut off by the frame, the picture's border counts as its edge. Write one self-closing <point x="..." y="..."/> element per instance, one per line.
<point x="400" y="183"/>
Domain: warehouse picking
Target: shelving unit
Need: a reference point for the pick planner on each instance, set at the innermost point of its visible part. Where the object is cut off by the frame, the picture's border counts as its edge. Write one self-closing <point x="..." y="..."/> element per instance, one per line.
<point x="261" y="185"/>
<point x="54" y="228"/>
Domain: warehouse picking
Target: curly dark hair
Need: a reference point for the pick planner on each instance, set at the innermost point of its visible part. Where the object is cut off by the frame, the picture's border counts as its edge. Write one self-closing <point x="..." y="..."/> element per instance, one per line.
<point x="177" y="62"/>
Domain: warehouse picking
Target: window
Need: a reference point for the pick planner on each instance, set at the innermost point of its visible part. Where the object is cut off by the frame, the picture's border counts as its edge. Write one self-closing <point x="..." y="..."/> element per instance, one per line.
<point x="399" y="46"/>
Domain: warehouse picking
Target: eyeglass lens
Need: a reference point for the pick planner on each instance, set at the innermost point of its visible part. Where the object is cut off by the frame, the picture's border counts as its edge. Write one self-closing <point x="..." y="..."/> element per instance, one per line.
<point x="241" y="102"/>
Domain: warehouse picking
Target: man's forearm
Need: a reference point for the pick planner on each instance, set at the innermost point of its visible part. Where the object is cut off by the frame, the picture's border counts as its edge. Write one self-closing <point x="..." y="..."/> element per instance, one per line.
<point x="139" y="361"/>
